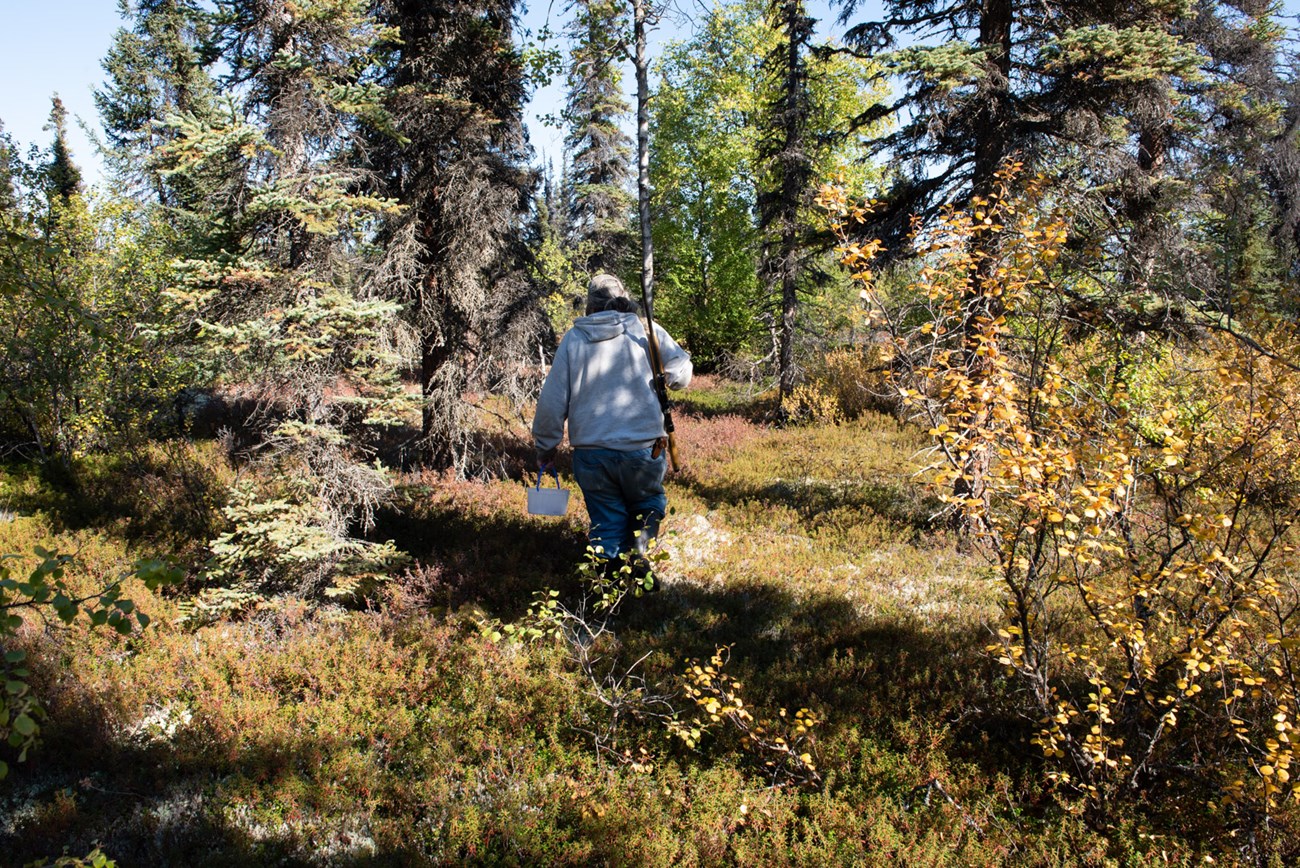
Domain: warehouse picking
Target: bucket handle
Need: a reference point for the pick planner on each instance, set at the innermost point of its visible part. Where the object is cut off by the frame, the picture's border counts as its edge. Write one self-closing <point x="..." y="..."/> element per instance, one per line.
<point x="554" y="473"/>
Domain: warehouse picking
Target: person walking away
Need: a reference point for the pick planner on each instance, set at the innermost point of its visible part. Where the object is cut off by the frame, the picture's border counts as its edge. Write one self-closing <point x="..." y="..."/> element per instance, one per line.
<point x="602" y="384"/>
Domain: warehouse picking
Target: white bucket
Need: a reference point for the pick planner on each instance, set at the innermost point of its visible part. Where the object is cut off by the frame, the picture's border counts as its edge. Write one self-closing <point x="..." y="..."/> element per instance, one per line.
<point x="548" y="501"/>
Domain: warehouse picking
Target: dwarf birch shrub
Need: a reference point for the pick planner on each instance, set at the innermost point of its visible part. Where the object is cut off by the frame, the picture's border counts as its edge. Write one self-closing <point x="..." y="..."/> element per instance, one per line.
<point x="843" y="384"/>
<point x="812" y="403"/>
<point x="783" y="746"/>
<point x="1141" y="526"/>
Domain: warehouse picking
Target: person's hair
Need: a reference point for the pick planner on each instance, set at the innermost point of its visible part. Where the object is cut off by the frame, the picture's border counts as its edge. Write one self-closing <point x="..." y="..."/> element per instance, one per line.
<point x="606" y="292"/>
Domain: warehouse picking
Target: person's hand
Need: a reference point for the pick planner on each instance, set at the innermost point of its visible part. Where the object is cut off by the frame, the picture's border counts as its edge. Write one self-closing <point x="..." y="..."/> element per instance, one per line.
<point x="544" y="466"/>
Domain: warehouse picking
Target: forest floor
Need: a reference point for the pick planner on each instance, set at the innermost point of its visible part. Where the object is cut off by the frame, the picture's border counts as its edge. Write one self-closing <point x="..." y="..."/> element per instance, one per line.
<point x="405" y="732"/>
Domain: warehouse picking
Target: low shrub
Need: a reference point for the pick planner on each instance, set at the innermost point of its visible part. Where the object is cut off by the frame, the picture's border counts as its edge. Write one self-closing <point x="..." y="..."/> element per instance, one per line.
<point x="843" y="384"/>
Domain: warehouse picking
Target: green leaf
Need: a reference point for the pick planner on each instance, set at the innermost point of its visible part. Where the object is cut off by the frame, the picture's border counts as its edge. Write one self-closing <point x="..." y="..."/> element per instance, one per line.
<point x="15" y="688"/>
<point x="15" y="656"/>
<point x="64" y="608"/>
<point x="156" y="573"/>
<point x="24" y="725"/>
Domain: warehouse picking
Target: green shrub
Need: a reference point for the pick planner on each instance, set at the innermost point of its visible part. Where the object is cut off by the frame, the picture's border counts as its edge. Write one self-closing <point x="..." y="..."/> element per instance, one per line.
<point x="45" y="588"/>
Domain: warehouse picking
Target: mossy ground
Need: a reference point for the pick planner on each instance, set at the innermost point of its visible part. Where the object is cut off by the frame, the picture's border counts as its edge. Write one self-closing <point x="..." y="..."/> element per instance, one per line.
<point x="398" y="733"/>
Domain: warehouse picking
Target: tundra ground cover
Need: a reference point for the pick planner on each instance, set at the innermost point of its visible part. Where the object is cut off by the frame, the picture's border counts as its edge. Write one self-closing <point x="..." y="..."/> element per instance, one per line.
<point x="399" y="732"/>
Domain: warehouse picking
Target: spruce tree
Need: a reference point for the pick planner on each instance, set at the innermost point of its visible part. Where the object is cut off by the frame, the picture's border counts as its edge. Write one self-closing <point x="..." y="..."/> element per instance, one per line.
<point x="1117" y="79"/>
<point x="986" y="80"/>
<point x="955" y="119"/>
<point x="62" y="176"/>
<point x="1097" y="94"/>
<point x="155" y="72"/>
<point x="455" y="93"/>
<point x="599" y="151"/>
<point x="1237" y="153"/>
<point x="273" y="291"/>
<point x="1174" y="121"/>
<point x="1282" y="171"/>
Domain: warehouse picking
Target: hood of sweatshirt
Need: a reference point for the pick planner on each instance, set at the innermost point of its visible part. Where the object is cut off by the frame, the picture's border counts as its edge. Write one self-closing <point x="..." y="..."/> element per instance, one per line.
<point x="606" y="325"/>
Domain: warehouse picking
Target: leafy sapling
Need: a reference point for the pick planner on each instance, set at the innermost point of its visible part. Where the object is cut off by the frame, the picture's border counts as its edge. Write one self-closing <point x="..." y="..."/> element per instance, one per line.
<point x="46" y="590"/>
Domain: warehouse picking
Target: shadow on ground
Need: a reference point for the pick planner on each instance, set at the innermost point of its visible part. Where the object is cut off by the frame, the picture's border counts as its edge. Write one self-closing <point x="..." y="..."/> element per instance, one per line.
<point x="900" y="688"/>
<point x="810" y="497"/>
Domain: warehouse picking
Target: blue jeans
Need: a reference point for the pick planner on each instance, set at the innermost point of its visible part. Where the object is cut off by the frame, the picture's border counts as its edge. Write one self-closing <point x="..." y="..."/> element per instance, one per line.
<point x="625" y="497"/>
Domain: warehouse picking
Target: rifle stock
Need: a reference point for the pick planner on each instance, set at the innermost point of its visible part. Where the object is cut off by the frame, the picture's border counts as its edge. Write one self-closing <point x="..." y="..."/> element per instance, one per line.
<point x="661" y="384"/>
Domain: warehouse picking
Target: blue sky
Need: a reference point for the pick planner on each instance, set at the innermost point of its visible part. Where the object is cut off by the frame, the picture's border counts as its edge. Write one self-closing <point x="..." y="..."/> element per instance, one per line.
<point x="47" y="47"/>
<point x="55" y="46"/>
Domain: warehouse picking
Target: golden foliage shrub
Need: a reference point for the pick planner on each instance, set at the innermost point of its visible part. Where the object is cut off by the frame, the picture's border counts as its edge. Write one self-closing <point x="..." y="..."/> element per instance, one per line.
<point x="858" y="378"/>
<point x="810" y="403"/>
<point x="783" y="747"/>
<point x="843" y="384"/>
<point x="1141" y="526"/>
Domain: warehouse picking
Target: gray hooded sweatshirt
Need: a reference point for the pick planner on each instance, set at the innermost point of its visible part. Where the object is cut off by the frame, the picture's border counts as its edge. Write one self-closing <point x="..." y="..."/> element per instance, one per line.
<point x="601" y="382"/>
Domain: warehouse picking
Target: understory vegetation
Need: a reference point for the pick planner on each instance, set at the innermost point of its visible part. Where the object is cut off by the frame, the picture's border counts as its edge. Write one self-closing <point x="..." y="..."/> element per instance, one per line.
<point x="804" y="583"/>
<point x="984" y="549"/>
